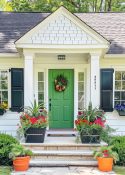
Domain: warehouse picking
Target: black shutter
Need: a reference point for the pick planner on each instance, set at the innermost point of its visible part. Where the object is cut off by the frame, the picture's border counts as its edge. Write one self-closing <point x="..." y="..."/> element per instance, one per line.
<point x="106" y="94"/>
<point x="17" y="89"/>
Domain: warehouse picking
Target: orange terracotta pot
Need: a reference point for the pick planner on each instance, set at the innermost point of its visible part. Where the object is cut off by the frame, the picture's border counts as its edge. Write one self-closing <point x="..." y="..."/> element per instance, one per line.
<point x="105" y="163"/>
<point x="21" y="163"/>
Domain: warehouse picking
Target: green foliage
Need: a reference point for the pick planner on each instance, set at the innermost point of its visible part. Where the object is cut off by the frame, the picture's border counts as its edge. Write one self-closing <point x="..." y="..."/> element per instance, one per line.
<point x="18" y="150"/>
<point x="36" y="110"/>
<point x="106" y="151"/>
<point x="21" y="5"/>
<point x="71" y="5"/>
<point x="91" y="129"/>
<point x="5" y="146"/>
<point x="91" y="113"/>
<point x="5" y="170"/>
<point x="118" y="143"/>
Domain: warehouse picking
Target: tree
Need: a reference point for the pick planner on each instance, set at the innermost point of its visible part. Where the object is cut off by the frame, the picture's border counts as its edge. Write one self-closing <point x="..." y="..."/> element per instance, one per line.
<point x="71" y="5"/>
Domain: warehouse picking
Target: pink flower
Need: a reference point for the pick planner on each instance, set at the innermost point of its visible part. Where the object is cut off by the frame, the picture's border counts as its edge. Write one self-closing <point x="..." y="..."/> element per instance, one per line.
<point x="99" y="121"/>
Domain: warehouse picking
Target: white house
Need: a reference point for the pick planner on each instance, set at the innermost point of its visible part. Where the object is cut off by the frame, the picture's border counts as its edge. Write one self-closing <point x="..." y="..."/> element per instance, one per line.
<point x="88" y="49"/>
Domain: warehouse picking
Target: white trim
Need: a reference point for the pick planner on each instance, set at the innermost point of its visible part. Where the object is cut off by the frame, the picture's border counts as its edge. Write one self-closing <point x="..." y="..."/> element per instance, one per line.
<point x="72" y="17"/>
<point x="11" y="55"/>
<point x="59" y="66"/>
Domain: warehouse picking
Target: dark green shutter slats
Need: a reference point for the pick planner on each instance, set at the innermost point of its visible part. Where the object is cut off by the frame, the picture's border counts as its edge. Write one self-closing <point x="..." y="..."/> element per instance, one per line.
<point x="106" y="90"/>
<point x="17" y="89"/>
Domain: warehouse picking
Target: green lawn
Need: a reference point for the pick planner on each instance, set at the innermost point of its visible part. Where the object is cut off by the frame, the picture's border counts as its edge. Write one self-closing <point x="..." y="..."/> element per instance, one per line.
<point x="119" y="170"/>
<point x="5" y="170"/>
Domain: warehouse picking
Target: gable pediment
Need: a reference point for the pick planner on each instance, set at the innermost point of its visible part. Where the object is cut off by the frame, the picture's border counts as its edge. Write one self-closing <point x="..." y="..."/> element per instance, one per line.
<point x="62" y="28"/>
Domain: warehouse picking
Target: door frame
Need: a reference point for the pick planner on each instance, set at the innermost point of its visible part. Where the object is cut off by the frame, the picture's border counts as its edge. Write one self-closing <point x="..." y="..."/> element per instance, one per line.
<point x="77" y="68"/>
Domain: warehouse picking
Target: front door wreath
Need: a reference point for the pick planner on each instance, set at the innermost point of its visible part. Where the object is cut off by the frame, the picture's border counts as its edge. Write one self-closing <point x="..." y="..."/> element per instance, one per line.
<point x="60" y="83"/>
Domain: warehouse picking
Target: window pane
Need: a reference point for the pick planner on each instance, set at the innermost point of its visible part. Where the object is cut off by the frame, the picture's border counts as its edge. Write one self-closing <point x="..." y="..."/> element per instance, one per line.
<point x="41" y="86"/>
<point x="81" y="76"/>
<point x="123" y="75"/>
<point x="4" y="85"/>
<point x="40" y="96"/>
<point x="81" y="86"/>
<point x="40" y="76"/>
<point x="117" y="95"/>
<point x="123" y="85"/>
<point x="80" y="101"/>
<point x="3" y="75"/>
<point x="117" y="103"/>
<point x="4" y="96"/>
<point x="122" y="95"/>
<point x="123" y="102"/>
<point x="118" y="85"/>
<point x="118" y="75"/>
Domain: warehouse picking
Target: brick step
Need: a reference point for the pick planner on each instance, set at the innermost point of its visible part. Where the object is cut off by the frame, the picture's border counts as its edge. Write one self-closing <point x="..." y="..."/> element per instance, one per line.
<point x="61" y="146"/>
<point x="63" y="154"/>
<point x="61" y="163"/>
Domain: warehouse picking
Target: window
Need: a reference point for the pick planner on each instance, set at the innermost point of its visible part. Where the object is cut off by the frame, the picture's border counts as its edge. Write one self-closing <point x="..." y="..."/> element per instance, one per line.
<point x="40" y="87"/>
<point x="119" y="96"/>
<point x="3" y="86"/>
<point x="80" y="91"/>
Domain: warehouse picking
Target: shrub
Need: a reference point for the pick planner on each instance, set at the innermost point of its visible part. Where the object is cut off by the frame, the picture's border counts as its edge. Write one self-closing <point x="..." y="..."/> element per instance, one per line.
<point x="6" y="142"/>
<point x="118" y="143"/>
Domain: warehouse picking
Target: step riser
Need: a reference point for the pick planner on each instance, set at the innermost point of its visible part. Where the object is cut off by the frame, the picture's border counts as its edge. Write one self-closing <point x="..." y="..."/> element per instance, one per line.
<point x="62" y="147"/>
<point x="91" y="164"/>
<point x="63" y="157"/>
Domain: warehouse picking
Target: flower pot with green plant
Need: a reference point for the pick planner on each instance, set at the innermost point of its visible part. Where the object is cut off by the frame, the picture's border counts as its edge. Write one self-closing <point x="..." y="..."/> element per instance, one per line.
<point x="33" y="123"/>
<point x="91" y="125"/>
<point x="3" y="107"/>
<point x="105" y="157"/>
<point x="20" y="156"/>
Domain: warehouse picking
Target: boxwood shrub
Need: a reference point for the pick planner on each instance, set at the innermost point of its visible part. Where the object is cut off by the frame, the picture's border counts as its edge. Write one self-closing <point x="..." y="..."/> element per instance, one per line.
<point x="119" y="146"/>
<point x="5" y="146"/>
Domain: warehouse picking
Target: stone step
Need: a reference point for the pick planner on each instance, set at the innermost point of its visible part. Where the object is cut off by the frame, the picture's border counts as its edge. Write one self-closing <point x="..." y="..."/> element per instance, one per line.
<point x="61" y="163"/>
<point x="63" y="154"/>
<point x="62" y="146"/>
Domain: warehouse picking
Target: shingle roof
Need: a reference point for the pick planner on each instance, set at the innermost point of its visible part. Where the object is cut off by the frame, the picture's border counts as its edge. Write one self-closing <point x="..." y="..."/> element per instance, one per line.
<point x="109" y="25"/>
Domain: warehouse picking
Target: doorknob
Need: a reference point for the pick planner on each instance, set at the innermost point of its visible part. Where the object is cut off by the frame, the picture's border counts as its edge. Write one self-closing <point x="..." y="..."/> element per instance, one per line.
<point x="49" y="106"/>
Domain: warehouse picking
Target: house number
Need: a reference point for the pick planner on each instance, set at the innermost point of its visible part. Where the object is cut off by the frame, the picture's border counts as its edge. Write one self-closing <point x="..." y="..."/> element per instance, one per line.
<point x="95" y="82"/>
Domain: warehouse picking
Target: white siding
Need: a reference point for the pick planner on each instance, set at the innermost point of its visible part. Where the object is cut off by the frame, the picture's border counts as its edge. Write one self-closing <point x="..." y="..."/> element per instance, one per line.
<point x="62" y="31"/>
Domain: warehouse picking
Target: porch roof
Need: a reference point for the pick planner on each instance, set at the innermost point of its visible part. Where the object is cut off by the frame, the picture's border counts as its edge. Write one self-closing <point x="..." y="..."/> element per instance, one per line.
<point x="14" y="25"/>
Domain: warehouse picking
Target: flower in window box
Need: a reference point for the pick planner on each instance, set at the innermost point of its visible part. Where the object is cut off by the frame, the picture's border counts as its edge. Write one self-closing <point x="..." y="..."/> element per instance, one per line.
<point x="120" y="109"/>
<point x="3" y="107"/>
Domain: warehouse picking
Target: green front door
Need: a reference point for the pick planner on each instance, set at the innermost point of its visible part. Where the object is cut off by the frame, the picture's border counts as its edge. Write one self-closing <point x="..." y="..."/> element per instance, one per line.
<point x="61" y="104"/>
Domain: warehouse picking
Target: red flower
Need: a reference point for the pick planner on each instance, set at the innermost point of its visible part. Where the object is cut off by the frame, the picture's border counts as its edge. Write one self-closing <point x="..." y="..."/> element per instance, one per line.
<point x="33" y="120"/>
<point x="99" y="121"/>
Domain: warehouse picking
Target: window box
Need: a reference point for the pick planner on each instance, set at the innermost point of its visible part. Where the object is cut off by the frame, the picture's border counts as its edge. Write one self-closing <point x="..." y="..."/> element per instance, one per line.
<point x="121" y="113"/>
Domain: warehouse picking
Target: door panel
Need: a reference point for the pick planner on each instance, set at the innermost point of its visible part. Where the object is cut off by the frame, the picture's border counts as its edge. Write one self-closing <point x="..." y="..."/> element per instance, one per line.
<point x="61" y="103"/>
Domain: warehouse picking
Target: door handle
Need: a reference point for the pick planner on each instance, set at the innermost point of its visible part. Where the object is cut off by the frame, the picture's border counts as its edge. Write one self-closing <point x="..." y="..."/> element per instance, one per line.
<point x="49" y="106"/>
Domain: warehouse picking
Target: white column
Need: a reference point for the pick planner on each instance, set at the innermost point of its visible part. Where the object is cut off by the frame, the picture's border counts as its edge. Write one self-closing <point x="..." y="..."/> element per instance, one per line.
<point x="28" y="79"/>
<point x="95" y="80"/>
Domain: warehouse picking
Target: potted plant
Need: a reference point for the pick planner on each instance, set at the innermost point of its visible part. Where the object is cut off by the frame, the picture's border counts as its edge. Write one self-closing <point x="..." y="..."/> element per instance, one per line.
<point x="120" y="109"/>
<point x="20" y="156"/>
<point x="33" y="123"/>
<point x="90" y="125"/>
<point x="105" y="156"/>
<point x="3" y="107"/>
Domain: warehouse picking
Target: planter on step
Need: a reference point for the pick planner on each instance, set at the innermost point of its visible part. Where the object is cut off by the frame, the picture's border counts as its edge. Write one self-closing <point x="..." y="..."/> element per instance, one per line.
<point x="35" y="135"/>
<point x="90" y="138"/>
<point x="105" y="164"/>
<point x="21" y="163"/>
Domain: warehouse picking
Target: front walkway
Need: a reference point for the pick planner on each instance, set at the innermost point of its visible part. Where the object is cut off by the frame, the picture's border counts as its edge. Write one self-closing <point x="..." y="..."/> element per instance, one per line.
<point x="64" y="171"/>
